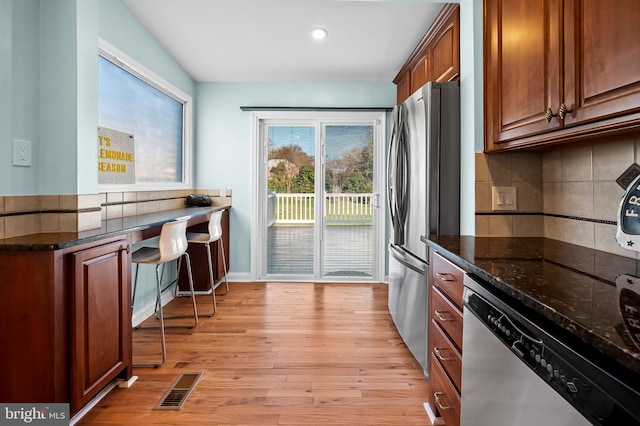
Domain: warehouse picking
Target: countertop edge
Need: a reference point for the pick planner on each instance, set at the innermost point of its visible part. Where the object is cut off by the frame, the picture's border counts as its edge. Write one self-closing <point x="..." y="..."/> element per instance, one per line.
<point x="585" y="335"/>
<point x="110" y="228"/>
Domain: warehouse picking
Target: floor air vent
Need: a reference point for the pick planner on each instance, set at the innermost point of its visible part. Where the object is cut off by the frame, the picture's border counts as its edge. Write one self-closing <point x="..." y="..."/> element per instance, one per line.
<point x="179" y="391"/>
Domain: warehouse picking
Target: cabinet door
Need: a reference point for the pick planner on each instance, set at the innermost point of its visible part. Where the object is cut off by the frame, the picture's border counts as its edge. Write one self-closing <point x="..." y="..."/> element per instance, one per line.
<point x="522" y="68"/>
<point x="444" y="50"/>
<point x="602" y="59"/>
<point x="100" y="319"/>
<point x="403" y="85"/>
<point x="420" y="73"/>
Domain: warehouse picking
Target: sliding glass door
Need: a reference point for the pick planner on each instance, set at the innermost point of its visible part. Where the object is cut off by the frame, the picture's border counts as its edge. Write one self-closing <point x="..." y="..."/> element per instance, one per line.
<point x="348" y="196"/>
<point x="318" y="196"/>
<point x="290" y="200"/>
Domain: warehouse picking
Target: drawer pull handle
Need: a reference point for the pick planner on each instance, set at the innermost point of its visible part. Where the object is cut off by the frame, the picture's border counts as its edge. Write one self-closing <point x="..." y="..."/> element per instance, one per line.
<point x="438" y="354"/>
<point x="441" y="317"/>
<point x="445" y="277"/>
<point x="438" y="403"/>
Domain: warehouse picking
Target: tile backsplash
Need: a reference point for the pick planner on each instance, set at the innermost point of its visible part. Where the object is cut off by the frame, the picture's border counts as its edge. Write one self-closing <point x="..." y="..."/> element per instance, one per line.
<point x="30" y="214"/>
<point x="566" y="194"/>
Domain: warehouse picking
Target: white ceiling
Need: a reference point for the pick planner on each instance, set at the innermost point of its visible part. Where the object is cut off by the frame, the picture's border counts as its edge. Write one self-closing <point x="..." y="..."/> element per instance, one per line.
<point x="269" y="40"/>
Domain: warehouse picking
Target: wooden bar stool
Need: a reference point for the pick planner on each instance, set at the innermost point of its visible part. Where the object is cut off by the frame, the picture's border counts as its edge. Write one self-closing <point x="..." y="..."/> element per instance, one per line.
<point x="172" y="245"/>
<point x="214" y="234"/>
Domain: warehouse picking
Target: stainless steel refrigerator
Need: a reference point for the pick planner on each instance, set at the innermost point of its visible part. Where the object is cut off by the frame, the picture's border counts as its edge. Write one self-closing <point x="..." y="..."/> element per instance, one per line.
<point x="423" y="191"/>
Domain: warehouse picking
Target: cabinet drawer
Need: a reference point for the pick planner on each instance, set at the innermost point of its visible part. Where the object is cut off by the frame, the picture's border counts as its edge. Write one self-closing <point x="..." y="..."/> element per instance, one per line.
<point x="448" y="278"/>
<point x="447" y="316"/>
<point x="446" y="353"/>
<point x="446" y="398"/>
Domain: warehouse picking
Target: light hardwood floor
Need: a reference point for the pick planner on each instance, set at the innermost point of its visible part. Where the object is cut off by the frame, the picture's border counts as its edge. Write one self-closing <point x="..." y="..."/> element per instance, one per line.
<point x="279" y="354"/>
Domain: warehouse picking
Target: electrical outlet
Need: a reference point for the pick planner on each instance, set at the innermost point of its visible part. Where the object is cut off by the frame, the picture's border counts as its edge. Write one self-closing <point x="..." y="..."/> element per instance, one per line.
<point x="21" y="153"/>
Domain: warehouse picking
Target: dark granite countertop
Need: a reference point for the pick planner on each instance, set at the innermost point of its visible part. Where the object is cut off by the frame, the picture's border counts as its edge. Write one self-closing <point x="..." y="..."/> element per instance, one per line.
<point x="581" y="290"/>
<point x="109" y="228"/>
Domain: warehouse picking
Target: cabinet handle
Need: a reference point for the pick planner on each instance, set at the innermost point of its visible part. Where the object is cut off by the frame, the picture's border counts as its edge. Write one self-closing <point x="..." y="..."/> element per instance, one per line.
<point x="126" y="248"/>
<point x="438" y="354"/>
<point x="445" y="277"/>
<point x="562" y="112"/>
<point x="441" y="317"/>
<point x="438" y="403"/>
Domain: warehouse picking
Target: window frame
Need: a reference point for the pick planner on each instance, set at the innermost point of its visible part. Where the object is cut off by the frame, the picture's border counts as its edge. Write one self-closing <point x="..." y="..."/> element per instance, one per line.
<point x="130" y="65"/>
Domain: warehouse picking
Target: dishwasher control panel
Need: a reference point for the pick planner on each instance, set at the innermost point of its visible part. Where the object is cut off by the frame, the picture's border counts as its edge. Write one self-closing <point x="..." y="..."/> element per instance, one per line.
<point x="569" y="374"/>
<point x="530" y="347"/>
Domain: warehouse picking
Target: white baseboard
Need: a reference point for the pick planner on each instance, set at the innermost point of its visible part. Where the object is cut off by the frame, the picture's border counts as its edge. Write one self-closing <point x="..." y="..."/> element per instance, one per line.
<point x="432" y="416"/>
<point x="149" y="309"/>
<point x="241" y="277"/>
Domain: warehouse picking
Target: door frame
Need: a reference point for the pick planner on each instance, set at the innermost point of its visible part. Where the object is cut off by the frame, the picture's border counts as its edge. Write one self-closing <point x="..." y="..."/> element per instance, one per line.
<point x="317" y="118"/>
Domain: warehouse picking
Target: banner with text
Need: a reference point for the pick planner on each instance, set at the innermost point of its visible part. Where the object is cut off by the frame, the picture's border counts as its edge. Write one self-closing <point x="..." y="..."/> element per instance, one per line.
<point x="116" y="160"/>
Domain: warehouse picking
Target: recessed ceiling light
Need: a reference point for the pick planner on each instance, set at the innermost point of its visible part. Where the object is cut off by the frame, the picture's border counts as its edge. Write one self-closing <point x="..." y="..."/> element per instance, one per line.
<point x="318" y="33"/>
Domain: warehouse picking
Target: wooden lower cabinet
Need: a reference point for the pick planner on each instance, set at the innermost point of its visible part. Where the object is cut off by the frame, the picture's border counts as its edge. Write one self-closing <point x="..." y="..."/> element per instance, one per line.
<point x="445" y="338"/>
<point x="446" y="398"/>
<point x="448" y="356"/>
<point x="66" y="318"/>
<point x="100" y="319"/>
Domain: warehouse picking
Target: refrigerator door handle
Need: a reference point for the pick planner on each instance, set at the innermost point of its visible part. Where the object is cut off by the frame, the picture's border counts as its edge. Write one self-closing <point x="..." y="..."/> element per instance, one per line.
<point x="395" y="175"/>
<point x="407" y="261"/>
<point x="391" y="191"/>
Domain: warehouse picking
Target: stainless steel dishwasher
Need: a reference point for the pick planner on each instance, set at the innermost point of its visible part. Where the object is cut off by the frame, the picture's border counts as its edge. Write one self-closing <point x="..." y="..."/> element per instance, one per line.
<point x="517" y="371"/>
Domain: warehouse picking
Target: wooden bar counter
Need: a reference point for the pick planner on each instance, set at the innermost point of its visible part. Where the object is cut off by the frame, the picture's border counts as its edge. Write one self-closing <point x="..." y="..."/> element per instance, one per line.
<point x="66" y="308"/>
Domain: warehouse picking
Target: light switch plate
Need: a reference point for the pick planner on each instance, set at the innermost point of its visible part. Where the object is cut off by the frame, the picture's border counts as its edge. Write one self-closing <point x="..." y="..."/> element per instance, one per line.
<point x="504" y="198"/>
<point x="21" y="153"/>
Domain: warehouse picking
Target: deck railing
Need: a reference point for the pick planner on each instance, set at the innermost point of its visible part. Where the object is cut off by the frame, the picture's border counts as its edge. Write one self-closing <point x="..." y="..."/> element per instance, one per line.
<point x="300" y="208"/>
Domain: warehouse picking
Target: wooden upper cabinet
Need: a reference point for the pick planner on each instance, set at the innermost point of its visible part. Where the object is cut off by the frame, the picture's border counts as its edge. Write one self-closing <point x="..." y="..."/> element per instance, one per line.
<point x="558" y="71"/>
<point x="437" y="56"/>
<point x="419" y="73"/>
<point x="522" y="67"/>
<point x="444" y="49"/>
<point x="602" y="59"/>
<point x="403" y="86"/>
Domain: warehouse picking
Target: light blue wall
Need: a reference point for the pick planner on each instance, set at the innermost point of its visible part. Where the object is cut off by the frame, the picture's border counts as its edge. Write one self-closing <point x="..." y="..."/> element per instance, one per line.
<point x="59" y="66"/>
<point x="49" y="87"/>
<point x="19" y="92"/>
<point x="224" y="148"/>
<point x="471" y="109"/>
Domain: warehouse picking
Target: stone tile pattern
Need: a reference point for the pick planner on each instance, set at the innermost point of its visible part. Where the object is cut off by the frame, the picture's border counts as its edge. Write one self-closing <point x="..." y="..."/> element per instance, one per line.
<point x="570" y="195"/>
<point x="31" y="214"/>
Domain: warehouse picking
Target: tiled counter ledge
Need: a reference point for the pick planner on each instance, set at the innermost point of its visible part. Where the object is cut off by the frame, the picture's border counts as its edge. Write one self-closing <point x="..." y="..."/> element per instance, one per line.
<point x="136" y="227"/>
<point x="576" y="289"/>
